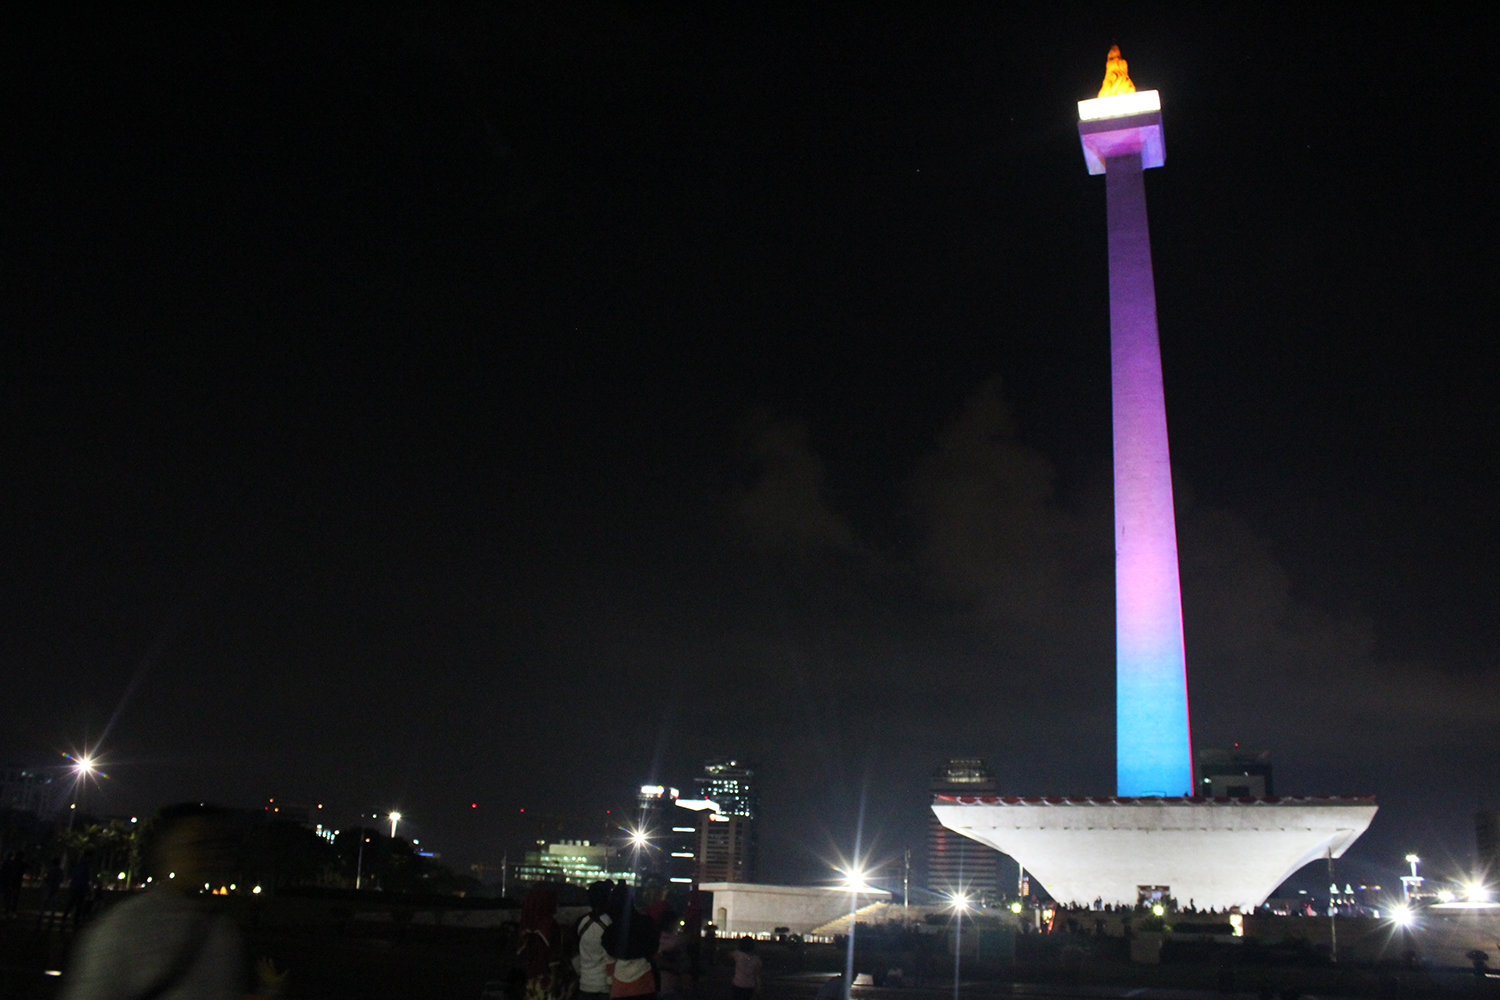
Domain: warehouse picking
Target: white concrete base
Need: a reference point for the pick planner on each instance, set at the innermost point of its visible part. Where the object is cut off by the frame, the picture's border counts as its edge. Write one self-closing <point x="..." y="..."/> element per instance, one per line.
<point x="751" y="908"/>
<point x="1218" y="853"/>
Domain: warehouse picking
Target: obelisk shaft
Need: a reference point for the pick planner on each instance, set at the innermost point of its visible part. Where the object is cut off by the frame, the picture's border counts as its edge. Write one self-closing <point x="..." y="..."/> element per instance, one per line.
<point x="1153" y="747"/>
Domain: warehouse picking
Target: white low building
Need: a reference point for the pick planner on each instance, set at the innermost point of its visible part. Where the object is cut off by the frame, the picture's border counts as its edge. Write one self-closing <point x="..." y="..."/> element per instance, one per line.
<point x="1217" y="853"/>
<point x="750" y="908"/>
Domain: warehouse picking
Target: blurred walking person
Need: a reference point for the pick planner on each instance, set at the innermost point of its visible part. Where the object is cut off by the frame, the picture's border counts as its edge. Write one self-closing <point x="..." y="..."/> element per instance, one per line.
<point x="80" y="892"/>
<point x="52" y="881"/>
<point x="164" y="943"/>
<point x="12" y="874"/>
<point x="671" y="956"/>
<point x="747" y="966"/>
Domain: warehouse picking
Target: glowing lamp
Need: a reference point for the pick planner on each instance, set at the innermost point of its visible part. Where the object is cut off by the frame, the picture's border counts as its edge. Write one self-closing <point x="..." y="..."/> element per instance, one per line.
<point x="854" y="881"/>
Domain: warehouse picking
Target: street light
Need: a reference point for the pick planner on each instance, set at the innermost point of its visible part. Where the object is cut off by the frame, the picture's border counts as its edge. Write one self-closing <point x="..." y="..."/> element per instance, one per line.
<point x="854" y="880"/>
<point x="83" y="768"/>
<point x="359" y="865"/>
<point x="960" y="907"/>
<point x="395" y="818"/>
<point x="1411" y="883"/>
<point x="854" y="884"/>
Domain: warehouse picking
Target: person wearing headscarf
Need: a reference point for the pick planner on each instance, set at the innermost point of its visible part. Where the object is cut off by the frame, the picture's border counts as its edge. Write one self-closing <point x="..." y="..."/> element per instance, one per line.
<point x="539" y="952"/>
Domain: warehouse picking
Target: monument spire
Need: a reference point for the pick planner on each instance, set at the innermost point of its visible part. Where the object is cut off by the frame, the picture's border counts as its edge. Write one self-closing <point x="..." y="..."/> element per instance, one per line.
<point x="1153" y="840"/>
<point x="1122" y="136"/>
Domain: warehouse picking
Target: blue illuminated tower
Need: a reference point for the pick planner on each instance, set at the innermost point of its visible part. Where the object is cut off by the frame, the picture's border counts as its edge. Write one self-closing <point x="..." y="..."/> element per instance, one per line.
<point x="1122" y="136"/>
<point x="1227" y="849"/>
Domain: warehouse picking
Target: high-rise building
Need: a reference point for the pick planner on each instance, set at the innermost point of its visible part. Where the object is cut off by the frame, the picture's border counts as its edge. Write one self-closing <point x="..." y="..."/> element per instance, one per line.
<point x="27" y="790"/>
<point x="956" y="863"/>
<point x="723" y="847"/>
<point x="1234" y="773"/>
<point x="732" y="787"/>
<point x="663" y="845"/>
<point x="730" y="784"/>
<point x="574" y="862"/>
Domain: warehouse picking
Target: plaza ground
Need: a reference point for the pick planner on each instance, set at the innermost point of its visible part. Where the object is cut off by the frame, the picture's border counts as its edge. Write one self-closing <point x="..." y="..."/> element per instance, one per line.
<point x="332" y="956"/>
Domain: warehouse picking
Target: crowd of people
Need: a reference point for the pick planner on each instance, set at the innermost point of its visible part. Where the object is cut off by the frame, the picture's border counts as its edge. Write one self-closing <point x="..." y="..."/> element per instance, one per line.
<point x="69" y="894"/>
<point x="618" y="949"/>
<point x="164" y="941"/>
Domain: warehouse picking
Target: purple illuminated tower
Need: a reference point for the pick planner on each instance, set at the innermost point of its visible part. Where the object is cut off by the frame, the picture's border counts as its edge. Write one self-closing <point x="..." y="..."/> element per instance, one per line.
<point x="1121" y="135"/>
<point x="1153" y="836"/>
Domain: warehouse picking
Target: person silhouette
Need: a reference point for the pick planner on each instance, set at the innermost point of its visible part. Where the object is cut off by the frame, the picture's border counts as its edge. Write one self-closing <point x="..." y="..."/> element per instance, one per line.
<point x="164" y="942"/>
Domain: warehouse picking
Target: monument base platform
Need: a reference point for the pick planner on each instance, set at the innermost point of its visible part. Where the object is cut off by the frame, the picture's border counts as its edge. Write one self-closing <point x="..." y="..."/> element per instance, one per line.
<point x="1217" y="853"/>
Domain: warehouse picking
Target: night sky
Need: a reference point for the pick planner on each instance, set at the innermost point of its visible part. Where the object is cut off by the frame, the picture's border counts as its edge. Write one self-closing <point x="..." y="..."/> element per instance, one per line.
<point x="465" y="408"/>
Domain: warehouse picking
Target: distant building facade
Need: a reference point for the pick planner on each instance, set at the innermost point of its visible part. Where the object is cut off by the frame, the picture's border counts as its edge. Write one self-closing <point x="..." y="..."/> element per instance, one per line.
<point x="723" y="848"/>
<point x="573" y="862"/>
<point x="1234" y="774"/>
<point x="28" y="790"/>
<point x="732" y="787"/>
<point x="956" y="863"/>
<point x="663" y="846"/>
<point x="730" y="784"/>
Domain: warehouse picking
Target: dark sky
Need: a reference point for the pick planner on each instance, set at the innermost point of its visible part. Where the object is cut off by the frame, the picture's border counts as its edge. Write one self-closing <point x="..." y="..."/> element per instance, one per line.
<point x="512" y="403"/>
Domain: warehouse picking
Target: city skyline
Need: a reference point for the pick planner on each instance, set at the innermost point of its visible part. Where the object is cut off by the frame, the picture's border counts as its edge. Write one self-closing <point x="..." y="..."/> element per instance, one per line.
<point x="465" y="413"/>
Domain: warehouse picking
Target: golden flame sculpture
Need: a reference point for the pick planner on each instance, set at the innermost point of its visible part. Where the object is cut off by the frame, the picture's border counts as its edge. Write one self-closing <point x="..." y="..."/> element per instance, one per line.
<point x="1116" y="75"/>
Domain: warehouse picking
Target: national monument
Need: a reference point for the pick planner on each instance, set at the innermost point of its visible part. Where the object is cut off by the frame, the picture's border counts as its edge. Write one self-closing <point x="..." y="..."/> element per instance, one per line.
<point x="1155" y="836"/>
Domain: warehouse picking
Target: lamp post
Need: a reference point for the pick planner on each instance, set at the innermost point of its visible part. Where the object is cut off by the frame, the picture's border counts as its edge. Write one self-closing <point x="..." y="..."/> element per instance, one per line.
<point x="359" y="866"/>
<point x="960" y="906"/>
<point x="1411" y="883"/>
<point x="395" y="818"/>
<point x="1333" y="909"/>
<point x="854" y="881"/>
<point x="83" y="768"/>
<point x="640" y="843"/>
<point x="906" y="887"/>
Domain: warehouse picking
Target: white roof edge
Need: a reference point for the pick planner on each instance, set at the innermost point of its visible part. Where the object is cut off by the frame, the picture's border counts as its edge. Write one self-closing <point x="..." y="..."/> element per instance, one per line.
<point x="1119" y="105"/>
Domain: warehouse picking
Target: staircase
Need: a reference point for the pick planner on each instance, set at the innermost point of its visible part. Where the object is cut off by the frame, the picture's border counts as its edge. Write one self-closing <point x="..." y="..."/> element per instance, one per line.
<point x="874" y="913"/>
